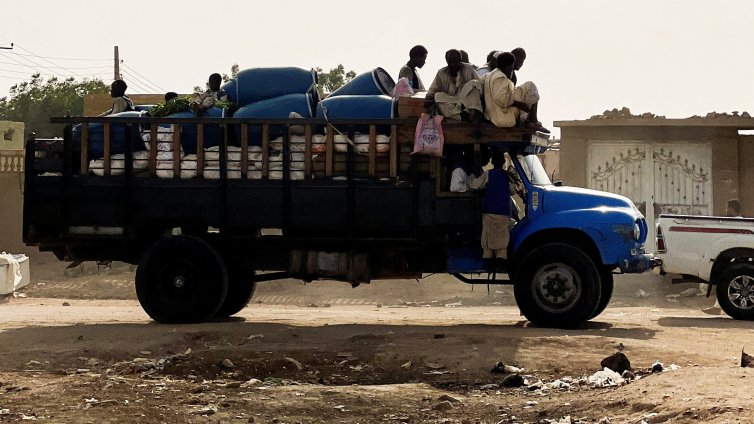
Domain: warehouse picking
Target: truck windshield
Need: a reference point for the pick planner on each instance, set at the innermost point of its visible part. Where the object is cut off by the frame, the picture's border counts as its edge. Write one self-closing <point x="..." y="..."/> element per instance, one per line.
<point x="534" y="170"/>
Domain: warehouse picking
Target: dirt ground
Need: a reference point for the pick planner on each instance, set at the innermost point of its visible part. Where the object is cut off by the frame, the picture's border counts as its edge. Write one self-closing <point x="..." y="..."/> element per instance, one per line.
<point x="78" y="348"/>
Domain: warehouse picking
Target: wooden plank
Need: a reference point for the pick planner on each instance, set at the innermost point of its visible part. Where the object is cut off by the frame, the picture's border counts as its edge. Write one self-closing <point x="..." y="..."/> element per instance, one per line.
<point x="200" y="150"/>
<point x="153" y="150"/>
<point x="329" y="150"/>
<point x="176" y="151"/>
<point x="393" y="151"/>
<point x="244" y="150"/>
<point x="372" y="149"/>
<point x="84" y="149"/>
<point x="265" y="150"/>
<point x="308" y="152"/>
<point x="106" y="141"/>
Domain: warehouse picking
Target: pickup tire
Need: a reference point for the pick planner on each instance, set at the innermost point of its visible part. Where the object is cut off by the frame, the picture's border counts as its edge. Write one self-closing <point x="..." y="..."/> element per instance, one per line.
<point x="608" y="284"/>
<point x="240" y="290"/>
<point x="735" y="291"/>
<point x="181" y="279"/>
<point x="557" y="285"/>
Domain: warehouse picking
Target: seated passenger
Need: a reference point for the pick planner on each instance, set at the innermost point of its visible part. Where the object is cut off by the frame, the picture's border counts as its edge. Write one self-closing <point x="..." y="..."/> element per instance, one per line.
<point x="203" y="101"/>
<point x="490" y="65"/>
<point x="459" y="178"/>
<point x="507" y="105"/>
<point x="456" y="90"/>
<point x="121" y="102"/>
<point x="417" y="57"/>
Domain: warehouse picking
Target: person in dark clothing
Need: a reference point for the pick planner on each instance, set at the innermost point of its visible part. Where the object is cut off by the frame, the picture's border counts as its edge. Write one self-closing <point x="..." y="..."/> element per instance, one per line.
<point x="121" y="102"/>
<point x="417" y="57"/>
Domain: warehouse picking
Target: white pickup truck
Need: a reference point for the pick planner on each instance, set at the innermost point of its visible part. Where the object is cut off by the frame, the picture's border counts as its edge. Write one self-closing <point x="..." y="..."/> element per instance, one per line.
<point x="714" y="250"/>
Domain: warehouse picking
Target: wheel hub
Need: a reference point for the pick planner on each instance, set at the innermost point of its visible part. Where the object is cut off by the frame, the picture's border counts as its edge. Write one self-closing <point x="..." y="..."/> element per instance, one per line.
<point x="179" y="282"/>
<point x="741" y="292"/>
<point x="556" y="287"/>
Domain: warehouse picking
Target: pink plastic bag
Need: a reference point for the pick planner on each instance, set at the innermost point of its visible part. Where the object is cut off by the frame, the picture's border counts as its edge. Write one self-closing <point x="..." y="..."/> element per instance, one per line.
<point x="429" y="139"/>
<point x="403" y="86"/>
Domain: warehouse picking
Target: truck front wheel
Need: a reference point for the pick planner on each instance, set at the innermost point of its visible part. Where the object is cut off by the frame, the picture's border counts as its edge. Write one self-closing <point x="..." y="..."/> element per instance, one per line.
<point x="557" y="285"/>
<point x="608" y="284"/>
<point x="735" y="291"/>
<point x="181" y="279"/>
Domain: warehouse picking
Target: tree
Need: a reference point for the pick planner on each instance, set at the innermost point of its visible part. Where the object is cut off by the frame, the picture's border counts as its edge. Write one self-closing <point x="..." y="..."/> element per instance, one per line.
<point x="334" y="79"/>
<point x="34" y="102"/>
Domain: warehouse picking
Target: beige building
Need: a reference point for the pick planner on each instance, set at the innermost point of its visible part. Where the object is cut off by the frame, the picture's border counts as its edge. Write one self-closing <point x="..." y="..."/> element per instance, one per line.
<point x="688" y="166"/>
<point x="11" y="186"/>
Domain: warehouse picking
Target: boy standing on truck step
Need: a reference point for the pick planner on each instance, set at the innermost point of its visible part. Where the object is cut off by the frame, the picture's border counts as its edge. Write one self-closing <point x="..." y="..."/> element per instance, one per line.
<point x="121" y="102"/>
<point x="456" y="90"/>
<point x="496" y="208"/>
<point x="417" y="57"/>
<point x="203" y="101"/>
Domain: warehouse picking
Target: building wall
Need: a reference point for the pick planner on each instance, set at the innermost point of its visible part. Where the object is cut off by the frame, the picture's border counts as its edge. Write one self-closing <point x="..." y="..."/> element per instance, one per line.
<point x="746" y="174"/>
<point x="11" y="183"/>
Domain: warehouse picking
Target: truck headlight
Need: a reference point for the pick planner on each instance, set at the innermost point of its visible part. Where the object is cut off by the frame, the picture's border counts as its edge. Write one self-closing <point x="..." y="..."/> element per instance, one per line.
<point x="637" y="231"/>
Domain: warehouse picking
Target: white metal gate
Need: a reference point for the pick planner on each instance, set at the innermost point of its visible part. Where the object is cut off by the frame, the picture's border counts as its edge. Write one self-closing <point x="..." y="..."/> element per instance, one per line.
<point x="672" y="178"/>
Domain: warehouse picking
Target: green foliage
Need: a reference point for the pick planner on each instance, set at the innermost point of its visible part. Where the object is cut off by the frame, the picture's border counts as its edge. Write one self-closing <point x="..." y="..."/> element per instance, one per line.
<point x="233" y="73"/>
<point x="178" y="104"/>
<point x="334" y="79"/>
<point x="34" y="102"/>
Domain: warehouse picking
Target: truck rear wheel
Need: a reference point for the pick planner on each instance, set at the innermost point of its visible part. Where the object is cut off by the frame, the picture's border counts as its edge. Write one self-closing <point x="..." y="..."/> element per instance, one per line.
<point x="735" y="291"/>
<point x="608" y="284"/>
<point x="181" y="279"/>
<point x="240" y="290"/>
<point x="557" y="285"/>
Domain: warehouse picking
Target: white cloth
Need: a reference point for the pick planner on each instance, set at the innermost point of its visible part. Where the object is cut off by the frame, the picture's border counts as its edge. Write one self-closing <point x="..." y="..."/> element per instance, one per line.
<point x="13" y="276"/>
<point x="459" y="181"/>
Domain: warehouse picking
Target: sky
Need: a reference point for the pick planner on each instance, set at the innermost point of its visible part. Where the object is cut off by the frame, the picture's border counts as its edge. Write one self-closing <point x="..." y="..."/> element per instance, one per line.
<point x="675" y="58"/>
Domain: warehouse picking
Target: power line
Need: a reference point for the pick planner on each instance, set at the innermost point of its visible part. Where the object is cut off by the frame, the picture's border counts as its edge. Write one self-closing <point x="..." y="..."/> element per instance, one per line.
<point x="64" y="58"/>
<point x="83" y="67"/>
<point x="134" y="71"/>
<point x="36" y="65"/>
<point x="22" y="48"/>
<point x="133" y="82"/>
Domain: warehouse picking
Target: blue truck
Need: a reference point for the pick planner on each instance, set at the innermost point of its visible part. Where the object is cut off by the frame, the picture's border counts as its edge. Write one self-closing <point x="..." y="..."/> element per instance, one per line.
<point x="209" y="207"/>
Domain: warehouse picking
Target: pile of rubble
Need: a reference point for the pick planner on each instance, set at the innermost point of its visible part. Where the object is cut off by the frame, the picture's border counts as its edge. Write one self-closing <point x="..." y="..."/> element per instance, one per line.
<point x="625" y="113"/>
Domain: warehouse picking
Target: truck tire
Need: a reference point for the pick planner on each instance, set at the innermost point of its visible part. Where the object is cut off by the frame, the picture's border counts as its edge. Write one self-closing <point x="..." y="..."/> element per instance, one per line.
<point x="240" y="290"/>
<point x="735" y="291"/>
<point x="608" y="284"/>
<point x="181" y="279"/>
<point x="557" y="285"/>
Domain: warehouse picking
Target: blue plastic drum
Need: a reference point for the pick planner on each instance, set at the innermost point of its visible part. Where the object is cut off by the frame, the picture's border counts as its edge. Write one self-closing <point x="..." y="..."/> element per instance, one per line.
<point x="375" y="82"/>
<point x="256" y="84"/>
<point x="358" y="107"/>
<point x="278" y="107"/>
<point x="213" y="134"/>
<point x="118" y="139"/>
<point x="230" y="87"/>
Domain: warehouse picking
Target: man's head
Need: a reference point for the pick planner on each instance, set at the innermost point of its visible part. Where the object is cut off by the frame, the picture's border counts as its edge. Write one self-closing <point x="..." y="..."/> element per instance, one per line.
<point x="520" y="55"/>
<point x="498" y="158"/>
<point x="464" y="56"/>
<point x="505" y="62"/>
<point x="491" y="58"/>
<point x="418" y="56"/>
<point x="170" y="95"/>
<point x="214" y="82"/>
<point x="118" y="88"/>
<point x="453" y="58"/>
<point x="733" y="208"/>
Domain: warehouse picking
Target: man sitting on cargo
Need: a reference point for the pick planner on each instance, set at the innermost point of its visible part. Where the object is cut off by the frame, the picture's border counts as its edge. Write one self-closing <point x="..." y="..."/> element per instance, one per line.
<point x="203" y="101"/>
<point x="417" y="57"/>
<point x="121" y="102"/>
<point x="456" y="90"/>
<point x="496" y="208"/>
<point x="490" y="65"/>
<point x="507" y="105"/>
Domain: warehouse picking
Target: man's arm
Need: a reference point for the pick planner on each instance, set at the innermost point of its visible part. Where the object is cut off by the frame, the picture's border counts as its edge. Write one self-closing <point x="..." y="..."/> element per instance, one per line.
<point x="119" y="105"/>
<point x="476" y="183"/>
<point x="434" y="87"/>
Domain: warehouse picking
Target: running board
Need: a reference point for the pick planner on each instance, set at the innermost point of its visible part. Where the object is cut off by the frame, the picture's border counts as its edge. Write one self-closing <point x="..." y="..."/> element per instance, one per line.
<point x="491" y="280"/>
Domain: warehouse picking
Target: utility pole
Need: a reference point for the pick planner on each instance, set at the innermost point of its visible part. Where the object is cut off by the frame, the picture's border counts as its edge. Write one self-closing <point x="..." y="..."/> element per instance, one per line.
<point x="116" y="75"/>
<point x="8" y="48"/>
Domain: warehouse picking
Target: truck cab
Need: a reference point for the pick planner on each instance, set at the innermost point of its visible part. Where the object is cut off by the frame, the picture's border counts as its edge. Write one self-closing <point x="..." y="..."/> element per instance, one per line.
<point x="314" y="199"/>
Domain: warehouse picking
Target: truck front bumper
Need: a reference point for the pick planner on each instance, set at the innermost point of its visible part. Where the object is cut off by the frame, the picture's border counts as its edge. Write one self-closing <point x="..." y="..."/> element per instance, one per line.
<point x="640" y="263"/>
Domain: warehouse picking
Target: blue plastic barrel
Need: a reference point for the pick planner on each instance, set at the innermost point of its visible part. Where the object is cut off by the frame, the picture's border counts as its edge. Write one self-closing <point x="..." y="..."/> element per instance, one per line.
<point x="96" y="138"/>
<point x="278" y="107"/>
<point x="231" y="89"/>
<point x="374" y="82"/>
<point x="213" y="134"/>
<point x="256" y="84"/>
<point x="358" y="107"/>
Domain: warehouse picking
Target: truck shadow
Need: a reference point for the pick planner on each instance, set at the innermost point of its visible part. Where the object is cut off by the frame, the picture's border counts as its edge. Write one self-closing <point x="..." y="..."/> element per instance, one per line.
<point x="705" y="322"/>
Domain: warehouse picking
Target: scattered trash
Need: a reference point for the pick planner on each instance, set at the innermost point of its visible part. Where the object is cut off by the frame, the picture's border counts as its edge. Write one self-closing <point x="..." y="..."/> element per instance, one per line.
<point x="641" y="293"/>
<point x="434" y="365"/>
<point x="657" y="367"/>
<point x="510" y="369"/>
<point x="747" y="361"/>
<point x="66" y="304"/>
<point x="606" y="378"/>
<point x="628" y="375"/>
<point x="691" y="292"/>
<point x="453" y="305"/>
<point x="255" y="336"/>
<point x="207" y="410"/>
<point x="617" y="362"/>
<point x="513" y="380"/>
<point x="145" y="352"/>
<point x="499" y="368"/>
<point x="294" y="362"/>
<point x="340" y="408"/>
<point x="407" y="365"/>
<point x="448" y="398"/>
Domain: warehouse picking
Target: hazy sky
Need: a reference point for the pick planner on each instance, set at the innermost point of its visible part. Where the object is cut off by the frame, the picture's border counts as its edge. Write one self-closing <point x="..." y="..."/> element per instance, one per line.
<point x="675" y="58"/>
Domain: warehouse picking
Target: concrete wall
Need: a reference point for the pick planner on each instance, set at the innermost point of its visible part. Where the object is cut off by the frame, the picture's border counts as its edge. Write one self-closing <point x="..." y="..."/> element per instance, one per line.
<point x="11" y="183"/>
